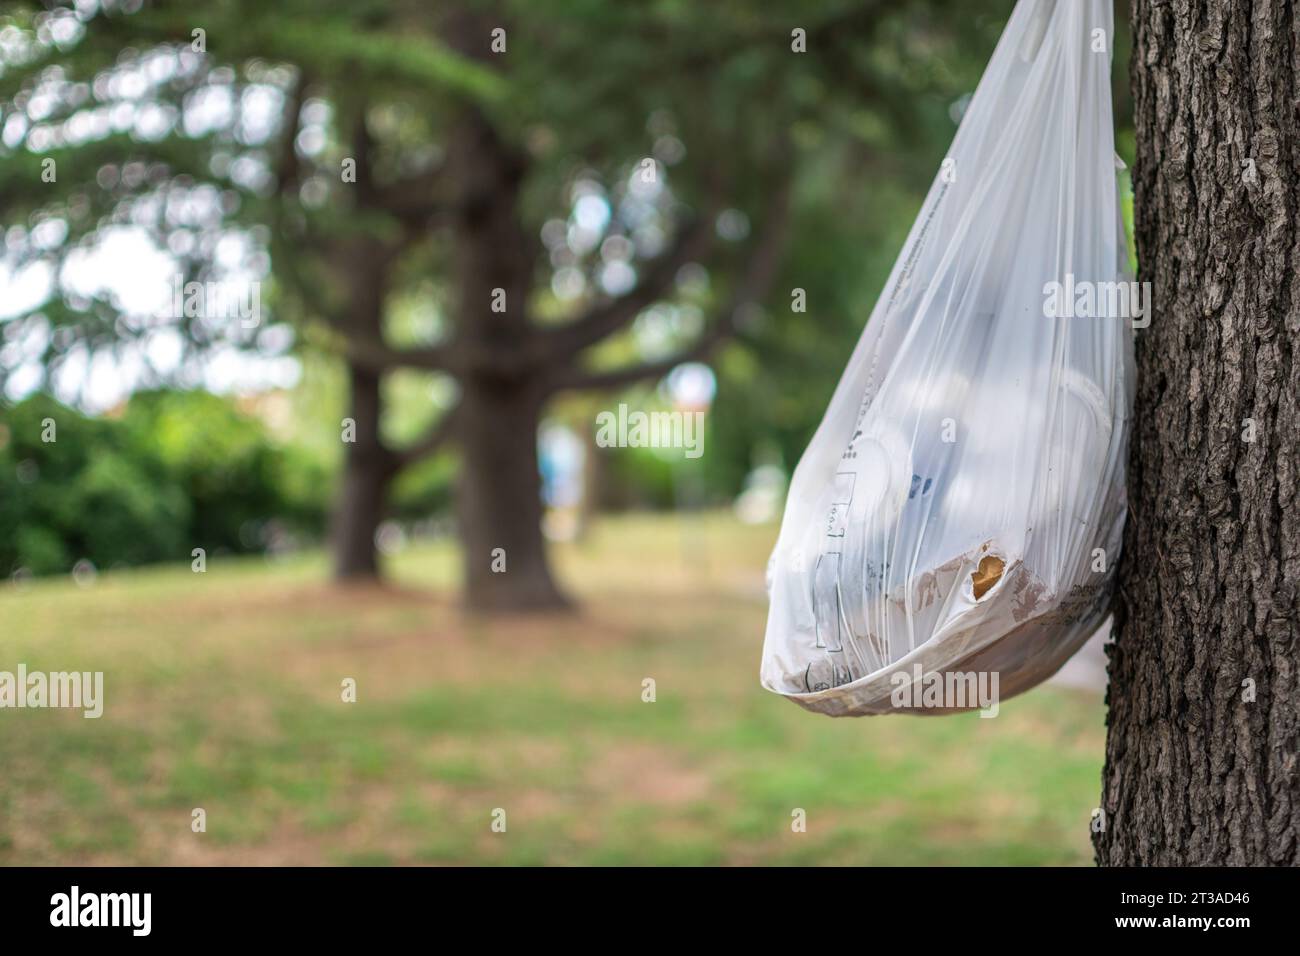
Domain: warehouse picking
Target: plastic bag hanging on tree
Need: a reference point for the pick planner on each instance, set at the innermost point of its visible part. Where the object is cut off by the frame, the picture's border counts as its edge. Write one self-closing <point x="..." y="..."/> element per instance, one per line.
<point x="957" y="516"/>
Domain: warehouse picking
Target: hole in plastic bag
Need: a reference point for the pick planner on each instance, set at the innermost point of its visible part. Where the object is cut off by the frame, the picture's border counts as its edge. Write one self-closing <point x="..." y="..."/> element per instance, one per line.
<point x="987" y="574"/>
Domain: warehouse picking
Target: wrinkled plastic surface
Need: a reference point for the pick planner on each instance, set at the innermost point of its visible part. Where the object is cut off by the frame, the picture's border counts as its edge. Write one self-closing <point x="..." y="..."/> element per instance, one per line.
<point x="949" y="508"/>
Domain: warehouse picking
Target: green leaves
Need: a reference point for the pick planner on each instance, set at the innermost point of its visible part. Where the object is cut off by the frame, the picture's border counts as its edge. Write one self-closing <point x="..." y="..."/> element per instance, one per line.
<point x="178" y="470"/>
<point x="339" y="49"/>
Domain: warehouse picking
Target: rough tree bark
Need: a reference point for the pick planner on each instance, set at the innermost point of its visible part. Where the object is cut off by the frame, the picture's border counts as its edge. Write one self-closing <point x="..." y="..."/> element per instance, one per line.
<point x="1204" y="721"/>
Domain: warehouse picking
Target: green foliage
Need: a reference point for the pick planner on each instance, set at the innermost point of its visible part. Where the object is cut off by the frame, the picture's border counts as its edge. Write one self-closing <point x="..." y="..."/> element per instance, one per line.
<point x="423" y="490"/>
<point x="82" y="495"/>
<point x="235" y="478"/>
<point x="127" y="510"/>
<point x="641" y="477"/>
<point x="179" y="470"/>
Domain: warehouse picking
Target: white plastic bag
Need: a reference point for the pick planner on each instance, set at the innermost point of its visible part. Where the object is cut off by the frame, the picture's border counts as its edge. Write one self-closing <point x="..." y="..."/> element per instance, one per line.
<point x="959" y="509"/>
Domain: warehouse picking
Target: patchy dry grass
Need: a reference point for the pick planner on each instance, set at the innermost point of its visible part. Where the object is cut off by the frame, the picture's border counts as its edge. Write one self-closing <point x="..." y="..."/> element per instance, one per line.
<point x="223" y="692"/>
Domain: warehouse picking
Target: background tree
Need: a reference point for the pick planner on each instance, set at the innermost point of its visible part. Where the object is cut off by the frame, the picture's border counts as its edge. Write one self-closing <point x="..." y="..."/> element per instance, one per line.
<point x="1204" y="705"/>
<point x="381" y="152"/>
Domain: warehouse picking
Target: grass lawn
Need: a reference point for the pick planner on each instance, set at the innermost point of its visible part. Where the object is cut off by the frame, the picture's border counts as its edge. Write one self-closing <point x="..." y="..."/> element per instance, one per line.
<point x="222" y="691"/>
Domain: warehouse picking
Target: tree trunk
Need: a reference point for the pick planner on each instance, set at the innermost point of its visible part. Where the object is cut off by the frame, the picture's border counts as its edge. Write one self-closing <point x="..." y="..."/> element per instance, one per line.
<point x="368" y="464"/>
<point x="367" y="470"/>
<point x="1204" y="721"/>
<point x="498" y="500"/>
<point x="499" y="504"/>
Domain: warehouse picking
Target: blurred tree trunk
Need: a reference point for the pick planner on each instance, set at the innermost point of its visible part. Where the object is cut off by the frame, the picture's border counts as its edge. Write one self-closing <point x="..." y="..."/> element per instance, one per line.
<point x="368" y="465"/>
<point x="499" y="504"/>
<point x="498" y="498"/>
<point x="1204" y="720"/>
<point x="367" y="470"/>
